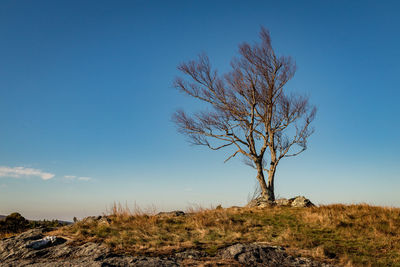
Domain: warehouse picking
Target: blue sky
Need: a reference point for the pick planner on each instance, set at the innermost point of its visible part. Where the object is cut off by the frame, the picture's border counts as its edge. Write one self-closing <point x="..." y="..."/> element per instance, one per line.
<point x="86" y="100"/>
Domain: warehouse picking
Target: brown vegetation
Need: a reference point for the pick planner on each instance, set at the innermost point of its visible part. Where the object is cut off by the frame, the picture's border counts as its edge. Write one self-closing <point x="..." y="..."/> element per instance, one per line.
<point x="15" y="223"/>
<point x="356" y="235"/>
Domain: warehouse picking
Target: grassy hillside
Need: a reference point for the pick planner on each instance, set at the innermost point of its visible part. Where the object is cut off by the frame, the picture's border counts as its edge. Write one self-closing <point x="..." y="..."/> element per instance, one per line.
<point x="356" y="235"/>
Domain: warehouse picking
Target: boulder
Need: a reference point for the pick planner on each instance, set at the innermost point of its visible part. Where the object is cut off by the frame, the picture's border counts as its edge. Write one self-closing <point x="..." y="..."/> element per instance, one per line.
<point x="260" y="202"/>
<point x="300" y="202"/>
<point x="97" y="219"/>
<point x="171" y="213"/>
<point x="282" y="202"/>
<point x="90" y="219"/>
<point x="296" y="202"/>
<point x="45" y="242"/>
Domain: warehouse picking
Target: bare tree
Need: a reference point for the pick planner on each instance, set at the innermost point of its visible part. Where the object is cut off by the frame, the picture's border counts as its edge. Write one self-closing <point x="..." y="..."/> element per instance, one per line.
<point x="250" y="109"/>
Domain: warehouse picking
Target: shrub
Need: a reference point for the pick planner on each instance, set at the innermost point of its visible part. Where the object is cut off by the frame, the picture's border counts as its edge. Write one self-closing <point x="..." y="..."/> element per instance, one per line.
<point x="14" y="223"/>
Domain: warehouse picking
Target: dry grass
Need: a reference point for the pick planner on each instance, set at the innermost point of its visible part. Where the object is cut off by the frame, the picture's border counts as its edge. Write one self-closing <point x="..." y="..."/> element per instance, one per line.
<point x="354" y="235"/>
<point x="7" y="235"/>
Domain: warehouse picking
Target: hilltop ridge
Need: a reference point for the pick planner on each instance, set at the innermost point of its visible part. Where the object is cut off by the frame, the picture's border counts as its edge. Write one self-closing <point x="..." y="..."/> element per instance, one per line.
<point x="332" y="235"/>
<point x="33" y="248"/>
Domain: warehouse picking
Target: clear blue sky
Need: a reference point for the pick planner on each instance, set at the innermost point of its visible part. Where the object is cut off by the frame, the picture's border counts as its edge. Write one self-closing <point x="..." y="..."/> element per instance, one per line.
<point x="86" y="99"/>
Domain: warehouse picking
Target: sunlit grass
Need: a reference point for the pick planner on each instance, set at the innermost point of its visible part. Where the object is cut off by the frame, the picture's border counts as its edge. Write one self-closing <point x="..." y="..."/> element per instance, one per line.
<point x="346" y="234"/>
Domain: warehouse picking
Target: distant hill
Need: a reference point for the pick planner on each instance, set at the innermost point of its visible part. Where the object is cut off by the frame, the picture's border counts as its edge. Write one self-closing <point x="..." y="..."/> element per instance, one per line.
<point x="2" y="217"/>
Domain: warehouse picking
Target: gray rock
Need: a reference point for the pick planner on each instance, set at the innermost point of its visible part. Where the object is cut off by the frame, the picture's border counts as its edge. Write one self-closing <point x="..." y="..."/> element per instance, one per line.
<point x="154" y="262"/>
<point x="260" y="202"/>
<point x="171" y="213"/>
<point x="190" y="254"/>
<point x="300" y="202"/>
<point x="96" y="219"/>
<point x="90" y="219"/>
<point x="263" y="255"/>
<point x="282" y="202"/>
<point x="233" y="251"/>
<point x="45" y="242"/>
<point x="94" y="250"/>
<point x="297" y="202"/>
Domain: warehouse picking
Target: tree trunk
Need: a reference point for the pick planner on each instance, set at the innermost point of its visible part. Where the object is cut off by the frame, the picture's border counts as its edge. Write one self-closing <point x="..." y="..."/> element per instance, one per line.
<point x="267" y="190"/>
<point x="270" y="185"/>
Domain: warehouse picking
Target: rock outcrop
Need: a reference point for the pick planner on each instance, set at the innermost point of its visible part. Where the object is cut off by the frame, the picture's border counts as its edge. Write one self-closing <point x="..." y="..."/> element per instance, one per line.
<point x="264" y="255"/>
<point x="282" y="202"/>
<point x="99" y="219"/>
<point x="300" y="202"/>
<point x="296" y="202"/>
<point x="33" y="248"/>
<point x="260" y="202"/>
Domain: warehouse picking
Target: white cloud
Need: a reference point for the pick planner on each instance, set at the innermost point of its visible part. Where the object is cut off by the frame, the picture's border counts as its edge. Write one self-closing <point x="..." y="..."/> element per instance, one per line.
<point x="17" y="172"/>
<point x="85" y="178"/>
<point x="74" y="177"/>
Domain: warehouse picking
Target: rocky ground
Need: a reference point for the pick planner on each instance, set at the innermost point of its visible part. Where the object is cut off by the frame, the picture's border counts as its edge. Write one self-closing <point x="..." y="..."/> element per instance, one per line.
<point x="296" y="202"/>
<point x="34" y="248"/>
